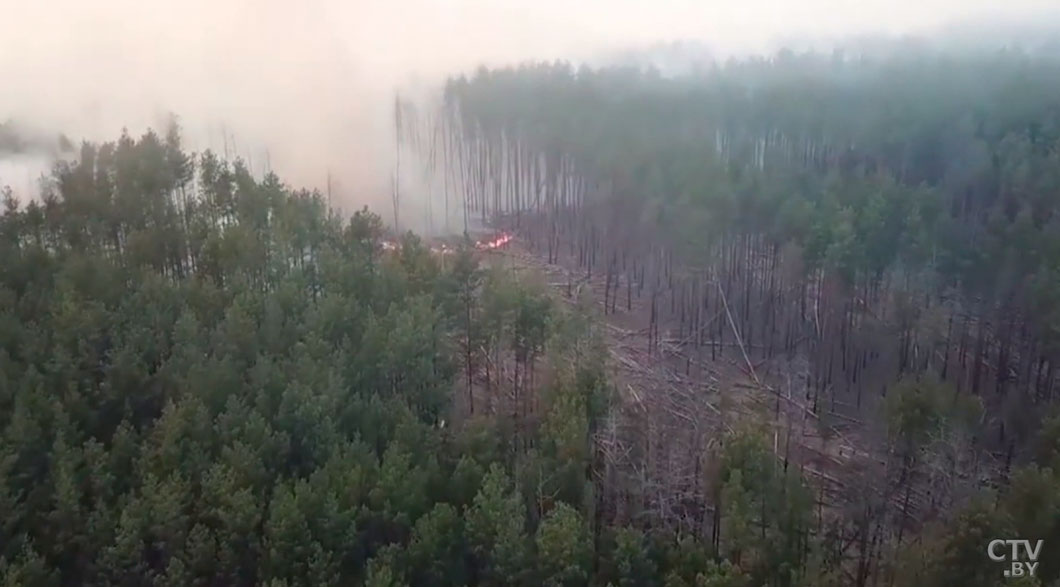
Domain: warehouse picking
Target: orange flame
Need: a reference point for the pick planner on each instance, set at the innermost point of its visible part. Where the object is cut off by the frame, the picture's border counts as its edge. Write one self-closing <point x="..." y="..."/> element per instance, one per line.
<point x="500" y="241"/>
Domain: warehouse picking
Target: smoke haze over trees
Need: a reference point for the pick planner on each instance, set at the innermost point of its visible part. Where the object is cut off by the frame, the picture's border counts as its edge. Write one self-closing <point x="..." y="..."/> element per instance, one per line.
<point x="304" y="88"/>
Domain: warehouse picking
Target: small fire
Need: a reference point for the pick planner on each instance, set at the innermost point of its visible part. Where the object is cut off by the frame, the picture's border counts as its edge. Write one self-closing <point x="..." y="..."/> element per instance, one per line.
<point x="500" y="241"/>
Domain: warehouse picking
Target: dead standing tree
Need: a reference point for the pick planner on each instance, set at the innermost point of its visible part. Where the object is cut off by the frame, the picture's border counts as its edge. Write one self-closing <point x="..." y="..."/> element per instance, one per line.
<point x="395" y="194"/>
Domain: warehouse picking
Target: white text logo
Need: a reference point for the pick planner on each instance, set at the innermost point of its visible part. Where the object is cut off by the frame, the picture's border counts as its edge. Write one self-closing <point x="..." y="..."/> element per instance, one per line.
<point x="1023" y="559"/>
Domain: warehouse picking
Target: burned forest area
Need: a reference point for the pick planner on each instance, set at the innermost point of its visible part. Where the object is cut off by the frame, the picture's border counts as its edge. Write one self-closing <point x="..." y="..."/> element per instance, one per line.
<point x="784" y="321"/>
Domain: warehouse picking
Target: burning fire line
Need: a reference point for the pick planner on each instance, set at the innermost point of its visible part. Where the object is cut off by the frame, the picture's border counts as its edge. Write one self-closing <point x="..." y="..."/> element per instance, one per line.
<point x="480" y="245"/>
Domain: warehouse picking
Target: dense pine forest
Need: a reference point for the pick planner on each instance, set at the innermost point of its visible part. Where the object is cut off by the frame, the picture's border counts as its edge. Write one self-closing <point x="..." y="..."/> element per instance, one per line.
<point x="208" y="378"/>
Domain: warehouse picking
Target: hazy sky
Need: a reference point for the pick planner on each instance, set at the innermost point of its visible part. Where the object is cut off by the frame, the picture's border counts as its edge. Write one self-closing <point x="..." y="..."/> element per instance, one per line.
<point x="312" y="79"/>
